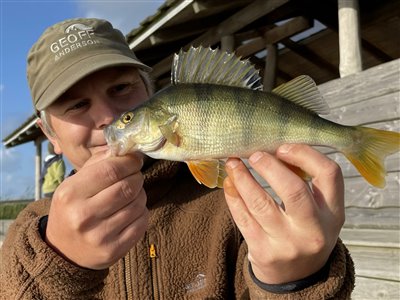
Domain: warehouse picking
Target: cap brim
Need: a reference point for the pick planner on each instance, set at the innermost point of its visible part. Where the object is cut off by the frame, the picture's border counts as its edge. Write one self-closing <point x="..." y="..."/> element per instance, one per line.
<point x="82" y="69"/>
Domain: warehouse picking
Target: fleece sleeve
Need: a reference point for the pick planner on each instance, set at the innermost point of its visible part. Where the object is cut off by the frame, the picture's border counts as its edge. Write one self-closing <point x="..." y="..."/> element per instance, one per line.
<point x="338" y="284"/>
<point x="30" y="269"/>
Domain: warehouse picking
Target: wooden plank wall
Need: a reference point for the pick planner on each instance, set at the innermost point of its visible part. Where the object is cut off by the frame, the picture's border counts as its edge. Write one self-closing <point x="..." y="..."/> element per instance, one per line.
<point x="371" y="230"/>
<point x="372" y="227"/>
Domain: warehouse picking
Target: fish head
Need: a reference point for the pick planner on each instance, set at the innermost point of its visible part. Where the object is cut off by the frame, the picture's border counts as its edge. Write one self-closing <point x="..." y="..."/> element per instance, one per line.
<point x="136" y="130"/>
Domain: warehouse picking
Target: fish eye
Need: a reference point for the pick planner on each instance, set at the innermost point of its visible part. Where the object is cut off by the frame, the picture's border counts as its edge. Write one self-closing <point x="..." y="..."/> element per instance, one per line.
<point x="126" y="118"/>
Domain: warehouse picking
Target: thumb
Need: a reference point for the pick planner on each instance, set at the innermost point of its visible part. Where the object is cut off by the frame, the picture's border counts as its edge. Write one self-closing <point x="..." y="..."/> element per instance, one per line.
<point x="97" y="157"/>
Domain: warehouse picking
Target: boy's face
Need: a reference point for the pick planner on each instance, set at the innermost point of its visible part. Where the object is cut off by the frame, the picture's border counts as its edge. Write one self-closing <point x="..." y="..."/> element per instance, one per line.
<point x="79" y="116"/>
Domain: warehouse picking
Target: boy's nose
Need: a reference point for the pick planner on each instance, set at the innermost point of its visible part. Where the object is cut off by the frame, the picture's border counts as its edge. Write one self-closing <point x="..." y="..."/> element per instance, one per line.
<point x="105" y="115"/>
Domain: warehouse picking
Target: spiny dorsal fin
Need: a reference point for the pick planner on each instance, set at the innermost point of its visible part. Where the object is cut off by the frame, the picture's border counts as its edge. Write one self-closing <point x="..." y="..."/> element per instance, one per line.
<point x="303" y="91"/>
<point x="204" y="65"/>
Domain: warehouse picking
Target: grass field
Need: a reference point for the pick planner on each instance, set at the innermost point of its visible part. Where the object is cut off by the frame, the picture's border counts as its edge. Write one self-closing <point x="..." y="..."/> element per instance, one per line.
<point x="11" y="209"/>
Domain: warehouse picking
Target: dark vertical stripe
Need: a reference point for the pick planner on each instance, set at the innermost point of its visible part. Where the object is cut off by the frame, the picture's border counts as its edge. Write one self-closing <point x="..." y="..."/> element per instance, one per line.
<point x="203" y="112"/>
<point x="246" y="113"/>
<point x="314" y="129"/>
<point x="285" y="117"/>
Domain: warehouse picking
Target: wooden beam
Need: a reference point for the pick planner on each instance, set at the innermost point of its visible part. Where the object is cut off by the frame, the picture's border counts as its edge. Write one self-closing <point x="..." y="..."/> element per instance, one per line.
<point x="349" y="38"/>
<point x="283" y="75"/>
<point x="188" y="28"/>
<point x="275" y="35"/>
<point x="203" y="6"/>
<point x="294" y="26"/>
<point x="170" y="35"/>
<point x="250" y="48"/>
<point x="310" y="55"/>
<point x="234" y="23"/>
<point x="323" y="13"/>
<point x="270" y="67"/>
<point x="375" y="51"/>
<point x="372" y="49"/>
<point x="198" y="7"/>
<point x="228" y="43"/>
<point x="246" y="36"/>
<point x="239" y="20"/>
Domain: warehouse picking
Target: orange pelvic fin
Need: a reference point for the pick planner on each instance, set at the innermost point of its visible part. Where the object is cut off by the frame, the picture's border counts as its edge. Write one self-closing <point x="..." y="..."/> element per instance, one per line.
<point x="211" y="173"/>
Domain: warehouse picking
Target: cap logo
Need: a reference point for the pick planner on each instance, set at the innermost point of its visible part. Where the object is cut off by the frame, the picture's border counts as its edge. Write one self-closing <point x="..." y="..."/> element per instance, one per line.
<point x="76" y="36"/>
<point x="77" y="27"/>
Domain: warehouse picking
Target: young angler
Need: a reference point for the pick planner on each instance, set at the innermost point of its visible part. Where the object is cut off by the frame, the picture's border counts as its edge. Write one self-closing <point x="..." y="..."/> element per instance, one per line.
<point x="128" y="227"/>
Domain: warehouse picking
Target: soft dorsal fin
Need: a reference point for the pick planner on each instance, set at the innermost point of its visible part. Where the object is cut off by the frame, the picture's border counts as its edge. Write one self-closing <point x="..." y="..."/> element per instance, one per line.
<point x="204" y="65"/>
<point x="303" y="91"/>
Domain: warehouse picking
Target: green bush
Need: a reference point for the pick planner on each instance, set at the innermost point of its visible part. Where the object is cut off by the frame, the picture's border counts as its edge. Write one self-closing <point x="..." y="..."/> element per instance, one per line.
<point x="11" y="209"/>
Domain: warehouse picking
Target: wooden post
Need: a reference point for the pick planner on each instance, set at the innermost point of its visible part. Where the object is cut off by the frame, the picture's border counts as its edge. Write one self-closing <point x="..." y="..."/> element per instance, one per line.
<point x="228" y="43"/>
<point x="38" y="168"/>
<point x="349" y="38"/>
<point x="270" y="67"/>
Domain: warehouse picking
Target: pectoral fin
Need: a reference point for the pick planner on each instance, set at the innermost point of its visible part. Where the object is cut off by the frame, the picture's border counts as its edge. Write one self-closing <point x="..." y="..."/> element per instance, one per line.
<point x="169" y="131"/>
<point x="211" y="173"/>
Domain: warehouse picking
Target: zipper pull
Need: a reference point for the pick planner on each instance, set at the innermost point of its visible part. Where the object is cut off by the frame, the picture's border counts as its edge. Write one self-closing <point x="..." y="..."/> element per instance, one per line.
<point x="153" y="253"/>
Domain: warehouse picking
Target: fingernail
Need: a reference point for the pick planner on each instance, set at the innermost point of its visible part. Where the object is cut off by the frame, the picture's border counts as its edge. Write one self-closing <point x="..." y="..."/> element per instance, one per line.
<point x="232" y="163"/>
<point x="284" y="149"/>
<point x="256" y="157"/>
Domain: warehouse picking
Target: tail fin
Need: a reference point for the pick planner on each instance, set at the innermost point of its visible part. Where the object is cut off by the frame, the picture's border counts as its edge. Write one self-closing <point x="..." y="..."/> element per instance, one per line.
<point x="368" y="156"/>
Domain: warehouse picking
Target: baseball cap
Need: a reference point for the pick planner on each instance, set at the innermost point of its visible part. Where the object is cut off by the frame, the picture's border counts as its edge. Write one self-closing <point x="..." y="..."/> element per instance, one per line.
<point x="69" y="51"/>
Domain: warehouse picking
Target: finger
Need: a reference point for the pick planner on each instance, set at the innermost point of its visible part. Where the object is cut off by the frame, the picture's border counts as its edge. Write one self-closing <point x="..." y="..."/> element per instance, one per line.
<point x="116" y="223"/>
<point x="101" y="232"/>
<point x="132" y="232"/>
<point x="117" y="244"/>
<point x="260" y="206"/>
<point x="290" y="188"/>
<point x="104" y="173"/>
<point x="240" y="214"/>
<point x="113" y="198"/>
<point x="97" y="157"/>
<point x="327" y="178"/>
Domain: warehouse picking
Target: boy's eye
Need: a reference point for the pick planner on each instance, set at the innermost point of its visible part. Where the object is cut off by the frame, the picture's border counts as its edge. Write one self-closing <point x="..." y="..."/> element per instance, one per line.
<point x="120" y="88"/>
<point x="78" y="105"/>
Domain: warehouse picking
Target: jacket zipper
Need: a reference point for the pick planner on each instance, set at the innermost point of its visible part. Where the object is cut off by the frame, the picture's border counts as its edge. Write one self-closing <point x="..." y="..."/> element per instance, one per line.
<point x="128" y="277"/>
<point x="154" y="277"/>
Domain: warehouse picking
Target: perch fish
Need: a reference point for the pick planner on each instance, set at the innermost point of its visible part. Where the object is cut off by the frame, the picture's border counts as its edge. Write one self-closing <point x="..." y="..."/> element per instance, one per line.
<point x="215" y="108"/>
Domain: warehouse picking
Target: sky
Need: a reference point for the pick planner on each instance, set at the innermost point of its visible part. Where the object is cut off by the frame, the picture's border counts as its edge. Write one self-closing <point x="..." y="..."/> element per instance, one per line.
<point x="21" y="24"/>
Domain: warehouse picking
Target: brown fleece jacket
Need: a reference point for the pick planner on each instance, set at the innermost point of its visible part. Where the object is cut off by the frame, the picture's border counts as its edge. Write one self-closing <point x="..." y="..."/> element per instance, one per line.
<point x="191" y="250"/>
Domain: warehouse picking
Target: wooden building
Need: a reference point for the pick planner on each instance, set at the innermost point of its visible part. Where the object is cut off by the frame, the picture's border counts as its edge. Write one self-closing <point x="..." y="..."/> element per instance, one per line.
<point x="351" y="50"/>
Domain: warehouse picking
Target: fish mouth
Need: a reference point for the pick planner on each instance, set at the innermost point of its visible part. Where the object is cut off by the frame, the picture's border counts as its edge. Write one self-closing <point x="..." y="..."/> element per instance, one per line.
<point x="112" y="140"/>
<point x="117" y="142"/>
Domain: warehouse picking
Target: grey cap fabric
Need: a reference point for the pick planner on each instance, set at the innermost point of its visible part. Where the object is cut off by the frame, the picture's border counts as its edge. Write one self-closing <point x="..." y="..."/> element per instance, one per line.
<point x="70" y="50"/>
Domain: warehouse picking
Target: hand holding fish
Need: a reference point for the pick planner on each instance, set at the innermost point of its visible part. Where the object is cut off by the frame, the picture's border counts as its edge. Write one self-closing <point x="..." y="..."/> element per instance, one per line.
<point x="290" y="243"/>
<point x="98" y="214"/>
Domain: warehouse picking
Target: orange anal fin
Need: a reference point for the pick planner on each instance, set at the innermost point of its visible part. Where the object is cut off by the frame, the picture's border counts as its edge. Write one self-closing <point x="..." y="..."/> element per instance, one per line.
<point x="211" y="173"/>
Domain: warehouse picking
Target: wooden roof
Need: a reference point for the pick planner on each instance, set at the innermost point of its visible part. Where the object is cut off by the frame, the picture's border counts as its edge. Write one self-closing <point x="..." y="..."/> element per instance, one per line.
<point x="251" y="25"/>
